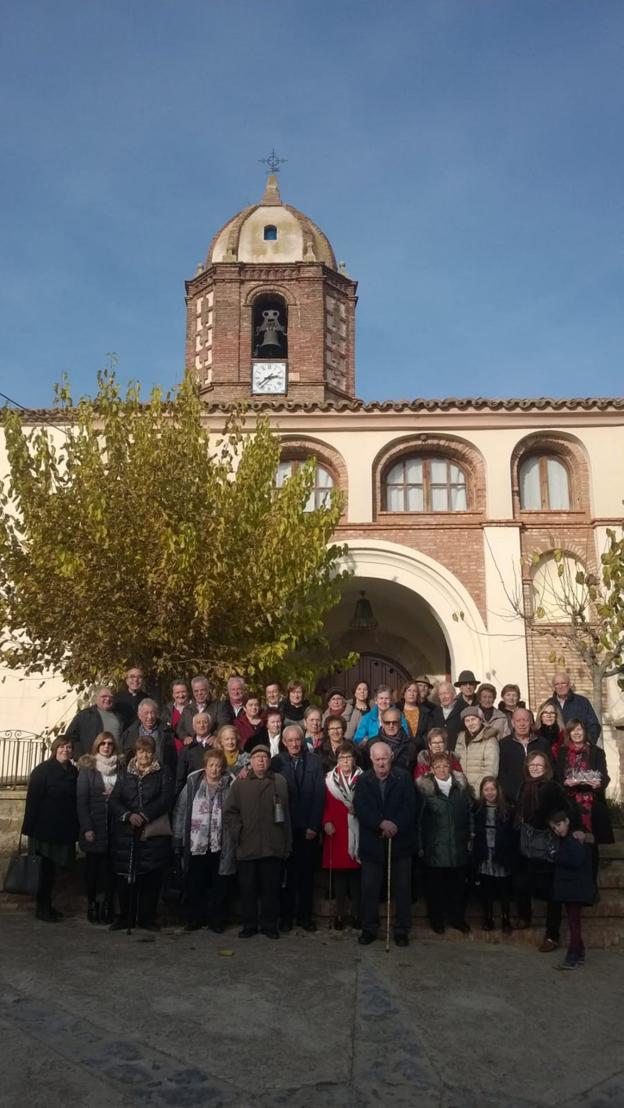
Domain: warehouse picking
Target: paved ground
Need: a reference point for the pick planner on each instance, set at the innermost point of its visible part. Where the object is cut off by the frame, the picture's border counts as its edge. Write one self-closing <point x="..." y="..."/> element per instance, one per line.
<point x="93" y="1019"/>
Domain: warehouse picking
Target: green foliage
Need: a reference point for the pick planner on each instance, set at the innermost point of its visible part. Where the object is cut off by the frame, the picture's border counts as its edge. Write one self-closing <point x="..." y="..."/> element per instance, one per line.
<point x="130" y="534"/>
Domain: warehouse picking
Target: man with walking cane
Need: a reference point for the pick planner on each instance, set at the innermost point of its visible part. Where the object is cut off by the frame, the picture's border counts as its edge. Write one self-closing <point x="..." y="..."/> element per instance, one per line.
<point x="385" y="806"/>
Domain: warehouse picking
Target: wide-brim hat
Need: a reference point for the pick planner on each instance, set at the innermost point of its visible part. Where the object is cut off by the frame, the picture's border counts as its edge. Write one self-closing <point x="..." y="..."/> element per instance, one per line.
<point x="260" y="749"/>
<point x="466" y="677"/>
<point x="422" y="679"/>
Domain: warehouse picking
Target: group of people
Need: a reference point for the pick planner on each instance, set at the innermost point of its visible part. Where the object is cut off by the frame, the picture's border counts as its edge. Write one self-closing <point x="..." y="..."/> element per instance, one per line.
<point x="401" y="789"/>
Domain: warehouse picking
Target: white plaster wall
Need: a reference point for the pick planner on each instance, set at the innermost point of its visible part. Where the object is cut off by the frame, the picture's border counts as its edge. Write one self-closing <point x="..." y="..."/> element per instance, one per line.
<point x="503" y="583"/>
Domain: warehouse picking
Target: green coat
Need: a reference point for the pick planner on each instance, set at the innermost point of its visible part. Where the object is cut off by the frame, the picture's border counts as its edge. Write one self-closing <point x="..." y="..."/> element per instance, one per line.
<point x="445" y="826"/>
<point x="249" y="816"/>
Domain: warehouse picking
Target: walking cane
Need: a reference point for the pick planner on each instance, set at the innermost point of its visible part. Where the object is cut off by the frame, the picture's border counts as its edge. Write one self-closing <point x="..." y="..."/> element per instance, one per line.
<point x="331" y="864"/>
<point x="388" y="896"/>
<point x="131" y="878"/>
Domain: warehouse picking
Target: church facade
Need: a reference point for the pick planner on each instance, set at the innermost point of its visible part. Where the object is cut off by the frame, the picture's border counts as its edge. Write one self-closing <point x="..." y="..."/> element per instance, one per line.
<point x="446" y="501"/>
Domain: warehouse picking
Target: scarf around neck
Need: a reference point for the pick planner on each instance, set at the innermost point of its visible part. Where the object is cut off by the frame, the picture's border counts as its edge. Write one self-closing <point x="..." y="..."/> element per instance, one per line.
<point x="343" y="788"/>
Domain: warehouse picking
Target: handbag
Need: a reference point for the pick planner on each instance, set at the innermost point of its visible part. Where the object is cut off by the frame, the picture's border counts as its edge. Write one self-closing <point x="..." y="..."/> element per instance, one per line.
<point x="24" y="873"/>
<point x="159" y="826"/>
<point x="537" y="843"/>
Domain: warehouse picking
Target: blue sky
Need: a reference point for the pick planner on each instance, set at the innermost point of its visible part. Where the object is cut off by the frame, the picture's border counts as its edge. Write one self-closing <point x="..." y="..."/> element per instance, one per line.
<point x="465" y="158"/>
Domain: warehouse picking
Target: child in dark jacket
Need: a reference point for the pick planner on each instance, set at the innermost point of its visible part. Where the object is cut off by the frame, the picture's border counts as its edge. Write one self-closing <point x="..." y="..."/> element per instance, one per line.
<point x="494" y="851"/>
<point x="573" y="884"/>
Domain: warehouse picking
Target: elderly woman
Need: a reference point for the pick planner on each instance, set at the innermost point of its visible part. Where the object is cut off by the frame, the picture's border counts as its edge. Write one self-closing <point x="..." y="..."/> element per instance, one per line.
<point x="50" y="820"/>
<point x="477" y="748"/>
<point x="97" y="776"/>
<point x="445" y="842"/>
<point x="436" y="743"/>
<point x="257" y="814"/>
<point x="313" y="728"/>
<point x="486" y="696"/>
<point x="337" y="706"/>
<point x="227" y="740"/>
<point x="204" y="844"/>
<point x="341" y="835"/>
<point x="334" y="731"/>
<point x="141" y="835"/>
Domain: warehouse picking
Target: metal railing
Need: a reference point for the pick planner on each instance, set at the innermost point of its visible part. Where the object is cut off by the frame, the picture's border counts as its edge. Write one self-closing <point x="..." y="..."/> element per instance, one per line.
<point x="20" y="752"/>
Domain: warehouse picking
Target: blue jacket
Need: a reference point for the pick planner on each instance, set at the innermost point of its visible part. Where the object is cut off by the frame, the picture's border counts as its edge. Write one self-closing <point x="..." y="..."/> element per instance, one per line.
<point x="576" y="706"/>
<point x="369" y="725"/>
<point x="307" y="796"/>
<point x="397" y="804"/>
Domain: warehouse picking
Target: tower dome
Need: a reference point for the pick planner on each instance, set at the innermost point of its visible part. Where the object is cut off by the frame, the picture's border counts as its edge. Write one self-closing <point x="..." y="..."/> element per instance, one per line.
<point x="270" y="232"/>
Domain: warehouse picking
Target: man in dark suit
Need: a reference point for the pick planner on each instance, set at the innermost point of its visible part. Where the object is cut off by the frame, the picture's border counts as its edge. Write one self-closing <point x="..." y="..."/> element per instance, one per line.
<point x="385" y="806"/>
<point x="128" y="698"/>
<point x="306" y="790"/>
<point x="90" y="722"/>
<point x="220" y="711"/>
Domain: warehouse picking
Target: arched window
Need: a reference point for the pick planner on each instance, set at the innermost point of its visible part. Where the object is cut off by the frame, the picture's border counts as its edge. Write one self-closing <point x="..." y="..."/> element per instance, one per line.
<point x="544" y="484"/>
<point x="323" y="484"/>
<point x="416" y="484"/>
<point x="270" y="233"/>
<point x="269" y="322"/>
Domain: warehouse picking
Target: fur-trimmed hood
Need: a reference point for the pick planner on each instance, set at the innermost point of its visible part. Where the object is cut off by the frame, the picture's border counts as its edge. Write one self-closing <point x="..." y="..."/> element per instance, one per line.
<point x="486" y="732"/>
<point x="426" y="785"/>
<point x="88" y="761"/>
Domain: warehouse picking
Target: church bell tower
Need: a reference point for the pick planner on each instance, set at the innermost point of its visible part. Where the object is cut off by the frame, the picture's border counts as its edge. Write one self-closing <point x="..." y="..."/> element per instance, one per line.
<point x="270" y="315"/>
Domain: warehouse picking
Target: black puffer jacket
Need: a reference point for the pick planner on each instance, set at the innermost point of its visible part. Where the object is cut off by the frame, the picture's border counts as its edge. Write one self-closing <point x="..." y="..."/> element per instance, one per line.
<point x="92" y="804"/>
<point x="50" y="813"/>
<point x="152" y="795"/>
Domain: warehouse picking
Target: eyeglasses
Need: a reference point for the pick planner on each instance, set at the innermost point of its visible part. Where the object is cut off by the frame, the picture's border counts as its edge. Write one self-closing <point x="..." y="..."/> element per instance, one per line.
<point x="392" y="722"/>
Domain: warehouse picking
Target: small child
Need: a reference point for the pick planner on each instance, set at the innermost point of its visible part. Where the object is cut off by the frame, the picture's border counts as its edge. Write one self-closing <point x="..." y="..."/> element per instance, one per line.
<point x="493" y="852"/>
<point x="573" y="884"/>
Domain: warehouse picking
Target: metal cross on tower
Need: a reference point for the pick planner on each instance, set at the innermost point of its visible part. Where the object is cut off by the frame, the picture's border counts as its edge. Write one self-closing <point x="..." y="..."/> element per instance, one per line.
<point x="273" y="163"/>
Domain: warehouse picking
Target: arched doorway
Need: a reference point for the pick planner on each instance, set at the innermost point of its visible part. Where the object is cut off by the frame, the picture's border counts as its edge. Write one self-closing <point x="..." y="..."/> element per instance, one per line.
<point x="375" y="669"/>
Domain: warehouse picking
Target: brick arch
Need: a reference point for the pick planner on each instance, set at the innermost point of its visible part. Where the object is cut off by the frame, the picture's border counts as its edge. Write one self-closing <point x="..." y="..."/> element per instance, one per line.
<point x="566" y="449"/>
<point x="456" y="450"/>
<point x="265" y="289"/>
<point x="299" y="448"/>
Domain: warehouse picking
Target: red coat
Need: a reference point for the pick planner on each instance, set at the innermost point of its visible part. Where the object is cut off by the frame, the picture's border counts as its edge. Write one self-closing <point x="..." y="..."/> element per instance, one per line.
<point x="335" y="847"/>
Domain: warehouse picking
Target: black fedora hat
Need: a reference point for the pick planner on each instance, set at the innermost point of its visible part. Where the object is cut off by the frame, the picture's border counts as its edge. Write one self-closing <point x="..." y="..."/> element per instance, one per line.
<point x="466" y="677"/>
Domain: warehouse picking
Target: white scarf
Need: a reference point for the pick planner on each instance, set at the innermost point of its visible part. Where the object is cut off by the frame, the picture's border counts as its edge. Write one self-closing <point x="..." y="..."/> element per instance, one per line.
<point x="342" y="788"/>
<point x="107" y="766"/>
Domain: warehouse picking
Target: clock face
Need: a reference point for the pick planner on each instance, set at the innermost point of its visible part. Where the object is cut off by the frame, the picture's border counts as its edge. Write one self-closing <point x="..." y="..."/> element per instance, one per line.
<point x="268" y="378"/>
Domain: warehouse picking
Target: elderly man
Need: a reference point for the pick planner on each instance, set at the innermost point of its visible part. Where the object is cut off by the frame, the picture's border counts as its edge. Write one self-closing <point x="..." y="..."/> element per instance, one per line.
<point x="306" y="788"/>
<point x="467" y="685"/>
<point x="236" y="690"/>
<point x="128" y="698"/>
<point x="404" y="748"/>
<point x="220" y="711"/>
<point x="191" y="757"/>
<point x="148" y="725"/>
<point x="90" y="722"/>
<point x="452" y="708"/>
<point x="385" y="806"/>
<point x="273" y="697"/>
<point x="369" y="724"/>
<point x="574" y="706"/>
<point x="257" y="814"/>
<point x="513" y="750"/>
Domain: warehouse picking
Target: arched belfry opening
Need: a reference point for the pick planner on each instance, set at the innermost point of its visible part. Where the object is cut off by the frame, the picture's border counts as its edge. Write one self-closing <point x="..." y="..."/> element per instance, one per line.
<point x="269" y="327"/>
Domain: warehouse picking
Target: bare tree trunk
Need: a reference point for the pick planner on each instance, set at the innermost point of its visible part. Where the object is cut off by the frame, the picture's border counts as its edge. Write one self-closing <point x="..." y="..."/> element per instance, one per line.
<point x="597" y="681"/>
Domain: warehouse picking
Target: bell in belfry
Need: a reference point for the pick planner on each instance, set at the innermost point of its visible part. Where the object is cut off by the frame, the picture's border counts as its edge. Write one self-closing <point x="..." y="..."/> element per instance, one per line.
<point x="270" y="329"/>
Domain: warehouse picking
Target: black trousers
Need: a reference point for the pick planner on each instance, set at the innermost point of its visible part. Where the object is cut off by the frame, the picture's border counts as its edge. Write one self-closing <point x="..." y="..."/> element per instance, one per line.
<point x="492" y="889"/>
<point x="260" y="879"/>
<point x="205" y="890"/>
<point x="374" y="878"/>
<point x="298" y="892"/>
<point x="47" y="876"/>
<point x="99" y="871"/>
<point x="535" y="879"/>
<point x="138" y="902"/>
<point x="347" y="883"/>
<point x="446" y="894"/>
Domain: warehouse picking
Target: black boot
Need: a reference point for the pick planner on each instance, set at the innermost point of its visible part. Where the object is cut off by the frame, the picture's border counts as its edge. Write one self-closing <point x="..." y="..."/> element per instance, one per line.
<point x="107" y="912"/>
<point x="93" y="912"/>
<point x="506" y="927"/>
<point x="488" y="920"/>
